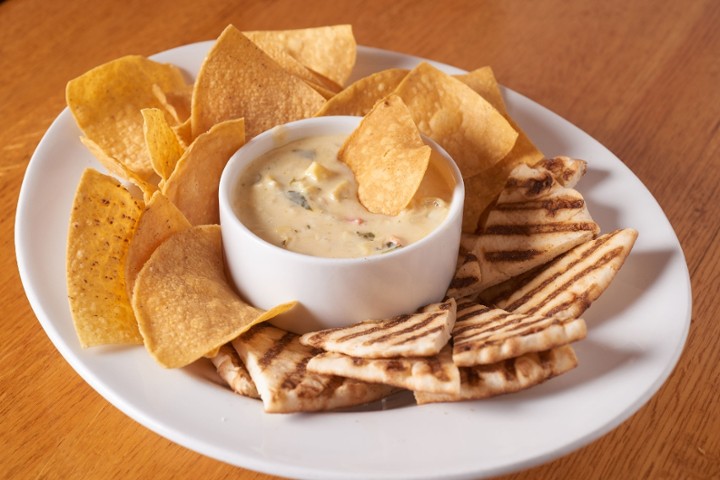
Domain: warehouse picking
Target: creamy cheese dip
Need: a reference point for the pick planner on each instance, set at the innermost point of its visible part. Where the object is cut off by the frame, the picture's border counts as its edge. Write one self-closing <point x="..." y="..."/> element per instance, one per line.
<point x="302" y="198"/>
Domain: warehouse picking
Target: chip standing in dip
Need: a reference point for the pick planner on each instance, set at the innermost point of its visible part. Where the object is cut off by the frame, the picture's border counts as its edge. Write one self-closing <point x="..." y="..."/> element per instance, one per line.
<point x="301" y="197"/>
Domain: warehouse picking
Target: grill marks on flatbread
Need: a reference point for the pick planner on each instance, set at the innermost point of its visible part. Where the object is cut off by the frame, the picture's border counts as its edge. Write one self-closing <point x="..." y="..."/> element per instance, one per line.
<point x="277" y="363"/>
<point x="506" y="376"/>
<point x="436" y="373"/>
<point x="468" y="275"/>
<point x="535" y="219"/>
<point x="232" y="371"/>
<point x="567" y="286"/>
<point x="484" y="335"/>
<point x="415" y="335"/>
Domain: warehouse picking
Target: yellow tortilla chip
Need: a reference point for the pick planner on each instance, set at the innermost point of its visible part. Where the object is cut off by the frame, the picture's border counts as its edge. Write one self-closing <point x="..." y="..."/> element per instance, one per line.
<point x="159" y="220"/>
<point x="118" y="168"/>
<point x="238" y="80"/>
<point x="330" y="51"/>
<point x="193" y="185"/>
<point x="184" y="132"/>
<point x="183" y="301"/>
<point x="472" y="131"/>
<point x="276" y="49"/>
<point x="176" y="103"/>
<point x="103" y="219"/>
<point x="482" y="189"/>
<point x="387" y="156"/>
<point x="106" y="103"/>
<point x="482" y="81"/>
<point x="162" y="143"/>
<point x="359" y="98"/>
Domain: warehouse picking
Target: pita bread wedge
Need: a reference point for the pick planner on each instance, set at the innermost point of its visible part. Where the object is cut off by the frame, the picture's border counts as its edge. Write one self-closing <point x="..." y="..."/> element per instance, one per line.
<point x="567" y="286"/>
<point x="277" y="363"/>
<point x="436" y="374"/>
<point x="231" y="369"/>
<point x="507" y="376"/>
<point x="566" y="171"/>
<point x="468" y="275"/>
<point x="484" y="335"/>
<point x="419" y="334"/>
<point x="534" y="220"/>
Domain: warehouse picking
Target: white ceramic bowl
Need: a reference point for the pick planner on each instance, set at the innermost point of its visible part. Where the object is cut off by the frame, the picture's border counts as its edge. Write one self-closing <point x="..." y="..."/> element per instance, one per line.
<point x="334" y="292"/>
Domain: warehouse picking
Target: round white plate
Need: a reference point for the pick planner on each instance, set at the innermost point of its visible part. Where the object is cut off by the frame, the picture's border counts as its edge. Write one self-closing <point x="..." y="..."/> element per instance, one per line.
<point x="636" y="332"/>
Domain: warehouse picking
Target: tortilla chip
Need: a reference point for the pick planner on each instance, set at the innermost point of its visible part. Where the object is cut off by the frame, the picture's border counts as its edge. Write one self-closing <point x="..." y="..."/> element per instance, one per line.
<point x="162" y="143"/>
<point x="360" y="97"/>
<point x="184" y="132"/>
<point x="193" y="186"/>
<point x="330" y="51"/>
<point x="106" y="103"/>
<point x="176" y="103"/>
<point x="387" y="156"/>
<point x="103" y="219"/>
<point x="482" y="189"/>
<point x="183" y="301"/>
<point x="119" y="169"/>
<point x="482" y="81"/>
<point x="472" y="131"/>
<point x="238" y="80"/>
<point x="275" y="49"/>
<point x="159" y="220"/>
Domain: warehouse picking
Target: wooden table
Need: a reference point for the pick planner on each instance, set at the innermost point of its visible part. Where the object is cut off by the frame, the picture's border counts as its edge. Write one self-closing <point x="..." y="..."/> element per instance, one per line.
<point x="641" y="77"/>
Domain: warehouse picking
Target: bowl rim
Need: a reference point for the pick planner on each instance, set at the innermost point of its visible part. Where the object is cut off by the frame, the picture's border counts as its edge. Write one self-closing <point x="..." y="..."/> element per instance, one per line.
<point x="281" y="135"/>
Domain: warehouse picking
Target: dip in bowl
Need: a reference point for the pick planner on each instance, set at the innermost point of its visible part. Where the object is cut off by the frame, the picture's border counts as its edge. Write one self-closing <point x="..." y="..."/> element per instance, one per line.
<point x="293" y="229"/>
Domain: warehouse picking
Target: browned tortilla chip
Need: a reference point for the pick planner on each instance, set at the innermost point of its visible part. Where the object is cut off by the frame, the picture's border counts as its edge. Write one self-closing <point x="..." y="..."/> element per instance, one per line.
<point x="162" y="142"/>
<point x="387" y="156"/>
<point x="106" y="103"/>
<point x="359" y="98"/>
<point x="329" y="51"/>
<point x="159" y="220"/>
<point x="103" y="219"/>
<point x="238" y="80"/>
<point x="193" y="185"/>
<point x="183" y="301"/>
<point x="472" y="131"/>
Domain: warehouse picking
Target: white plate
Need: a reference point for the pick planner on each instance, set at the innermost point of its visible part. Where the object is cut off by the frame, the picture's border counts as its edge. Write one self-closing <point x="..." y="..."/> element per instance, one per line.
<point x="637" y="330"/>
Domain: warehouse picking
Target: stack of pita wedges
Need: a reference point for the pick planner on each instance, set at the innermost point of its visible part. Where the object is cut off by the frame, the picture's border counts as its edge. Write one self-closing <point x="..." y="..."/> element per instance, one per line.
<point x="511" y="313"/>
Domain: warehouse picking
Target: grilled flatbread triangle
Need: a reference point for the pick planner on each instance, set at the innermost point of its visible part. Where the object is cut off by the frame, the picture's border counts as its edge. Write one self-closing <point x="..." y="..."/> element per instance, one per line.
<point x="484" y="335"/>
<point x="567" y="286"/>
<point x="231" y="369"/>
<point x="507" y="376"/>
<point x="414" y="335"/>
<point x="468" y="275"/>
<point x="437" y="374"/>
<point x="534" y="220"/>
<point x="277" y="364"/>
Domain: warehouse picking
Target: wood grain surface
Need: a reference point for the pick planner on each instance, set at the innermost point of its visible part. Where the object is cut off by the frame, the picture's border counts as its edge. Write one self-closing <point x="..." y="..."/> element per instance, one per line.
<point x="642" y="77"/>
